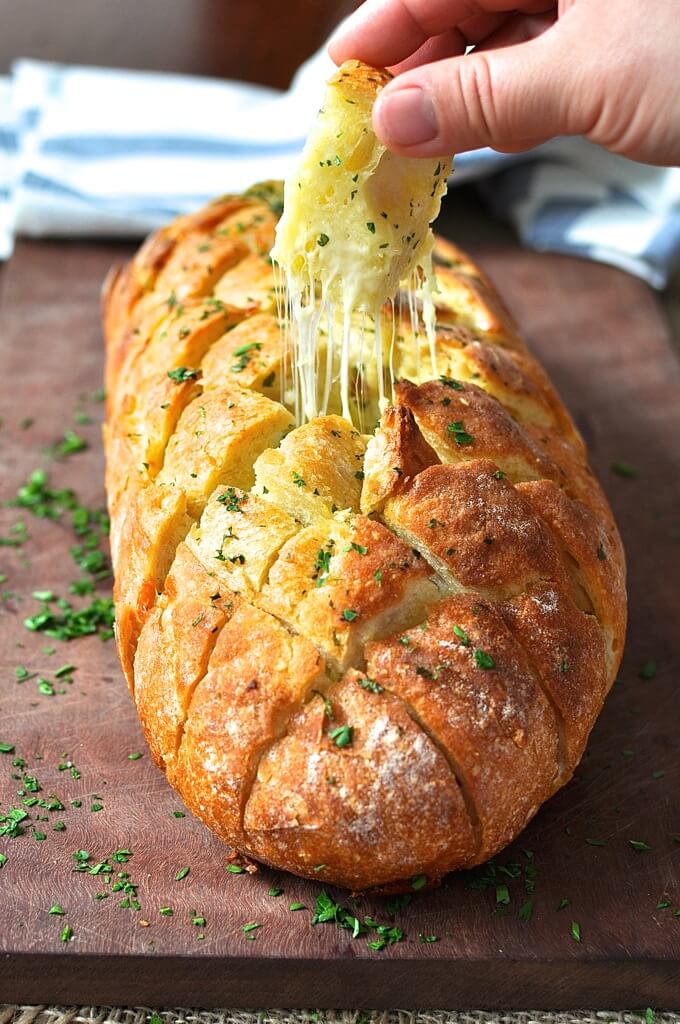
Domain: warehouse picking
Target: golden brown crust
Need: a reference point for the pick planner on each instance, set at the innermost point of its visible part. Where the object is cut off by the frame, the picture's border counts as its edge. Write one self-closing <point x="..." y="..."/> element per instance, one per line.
<point x="174" y="647"/>
<point x="491" y="716"/>
<point x="258" y="675"/>
<point x="380" y="654"/>
<point x="394" y="456"/>
<point x="385" y="806"/>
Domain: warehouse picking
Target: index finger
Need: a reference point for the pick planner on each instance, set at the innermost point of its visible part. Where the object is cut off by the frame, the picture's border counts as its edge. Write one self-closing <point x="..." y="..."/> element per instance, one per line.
<point x="385" y="32"/>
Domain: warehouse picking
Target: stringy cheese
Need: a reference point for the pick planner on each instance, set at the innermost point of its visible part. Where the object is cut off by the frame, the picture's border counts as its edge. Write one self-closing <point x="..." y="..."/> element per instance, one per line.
<point x="355" y="228"/>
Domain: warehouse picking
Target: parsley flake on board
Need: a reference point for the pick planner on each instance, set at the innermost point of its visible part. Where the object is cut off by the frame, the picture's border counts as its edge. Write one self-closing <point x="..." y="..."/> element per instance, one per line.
<point x="624" y="470"/>
<point x="70" y="444"/>
<point x="69" y="622"/>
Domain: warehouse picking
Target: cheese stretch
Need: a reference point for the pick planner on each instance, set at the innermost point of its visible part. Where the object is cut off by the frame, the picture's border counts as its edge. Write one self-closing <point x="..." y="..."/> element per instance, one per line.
<point x="354" y="238"/>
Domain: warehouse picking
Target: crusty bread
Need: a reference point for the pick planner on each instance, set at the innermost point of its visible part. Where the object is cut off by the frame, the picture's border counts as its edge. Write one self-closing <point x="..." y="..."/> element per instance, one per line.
<point x="357" y="657"/>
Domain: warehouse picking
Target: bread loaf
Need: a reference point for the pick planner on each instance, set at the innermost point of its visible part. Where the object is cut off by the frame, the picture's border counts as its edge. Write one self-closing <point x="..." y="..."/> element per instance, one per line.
<point x="359" y="655"/>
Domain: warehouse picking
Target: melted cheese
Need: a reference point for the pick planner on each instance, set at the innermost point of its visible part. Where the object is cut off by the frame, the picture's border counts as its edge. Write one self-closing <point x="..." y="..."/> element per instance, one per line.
<point x="355" y="228"/>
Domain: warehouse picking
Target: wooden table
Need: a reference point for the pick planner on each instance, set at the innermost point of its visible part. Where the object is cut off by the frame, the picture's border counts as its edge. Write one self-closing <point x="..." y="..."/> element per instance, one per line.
<point x="604" y="340"/>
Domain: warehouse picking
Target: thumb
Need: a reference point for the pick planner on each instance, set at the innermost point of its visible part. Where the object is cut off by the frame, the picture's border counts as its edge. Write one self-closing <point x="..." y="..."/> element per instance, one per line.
<point x="508" y="98"/>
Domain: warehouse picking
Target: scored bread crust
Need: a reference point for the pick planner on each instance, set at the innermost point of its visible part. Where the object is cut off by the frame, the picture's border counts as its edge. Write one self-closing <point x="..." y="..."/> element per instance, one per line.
<point x="358" y="658"/>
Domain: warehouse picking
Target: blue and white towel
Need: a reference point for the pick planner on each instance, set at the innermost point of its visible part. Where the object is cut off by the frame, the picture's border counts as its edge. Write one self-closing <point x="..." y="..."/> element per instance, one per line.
<point x="88" y="152"/>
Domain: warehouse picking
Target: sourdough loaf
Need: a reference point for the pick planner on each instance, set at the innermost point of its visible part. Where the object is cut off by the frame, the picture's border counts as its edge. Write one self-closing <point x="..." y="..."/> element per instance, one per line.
<point x="377" y="652"/>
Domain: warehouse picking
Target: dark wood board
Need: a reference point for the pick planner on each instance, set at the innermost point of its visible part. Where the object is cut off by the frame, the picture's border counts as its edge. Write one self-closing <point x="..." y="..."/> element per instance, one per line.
<point x="602" y="337"/>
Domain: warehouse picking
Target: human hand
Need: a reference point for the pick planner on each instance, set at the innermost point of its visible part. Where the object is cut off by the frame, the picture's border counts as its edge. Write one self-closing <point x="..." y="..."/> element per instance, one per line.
<point x="540" y="68"/>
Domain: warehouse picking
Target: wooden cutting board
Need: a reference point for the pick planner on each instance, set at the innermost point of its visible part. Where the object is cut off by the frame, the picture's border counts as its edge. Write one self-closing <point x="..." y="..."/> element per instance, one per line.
<point x="602" y="337"/>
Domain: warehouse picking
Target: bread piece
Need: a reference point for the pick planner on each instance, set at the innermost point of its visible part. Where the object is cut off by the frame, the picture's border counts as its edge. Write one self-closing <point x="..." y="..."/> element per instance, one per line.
<point x="357" y="217"/>
<point x="357" y="656"/>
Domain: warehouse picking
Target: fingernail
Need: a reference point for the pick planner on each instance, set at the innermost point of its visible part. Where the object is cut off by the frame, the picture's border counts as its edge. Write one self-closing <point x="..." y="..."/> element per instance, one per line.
<point x="406" y="116"/>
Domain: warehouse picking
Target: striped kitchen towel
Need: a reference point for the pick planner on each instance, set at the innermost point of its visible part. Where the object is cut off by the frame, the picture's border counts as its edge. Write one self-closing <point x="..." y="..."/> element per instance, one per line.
<point x="97" y="152"/>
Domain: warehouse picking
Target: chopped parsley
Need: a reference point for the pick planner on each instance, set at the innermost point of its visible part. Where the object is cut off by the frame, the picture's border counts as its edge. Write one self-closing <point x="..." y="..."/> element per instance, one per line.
<point x="526" y="911"/>
<point x="370" y="685"/>
<point x="483" y="659"/>
<point x="648" y="670"/>
<point x="322" y="239"/>
<point x="449" y="382"/>
<point x="328" y="707"/>
<point x="183" y="373"/>
<point x="322" y="564"/>
<point x="342" y="736"/>
<point x="70" y="444"/>
<point x="624" y="470"/>
<point x="371" y="226"/>
<point x="462" y="635"/>
<point x="231" y="500"/>
<point x="349" y="614"/>
<point x="460" y="435"/>
<point x="69" y="622"/>
<point x="243" y="355"/>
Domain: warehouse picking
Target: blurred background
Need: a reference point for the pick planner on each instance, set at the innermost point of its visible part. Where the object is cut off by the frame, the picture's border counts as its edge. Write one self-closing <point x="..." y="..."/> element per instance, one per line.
<point x="266" y="41"/>
<point x="254" y="40"/>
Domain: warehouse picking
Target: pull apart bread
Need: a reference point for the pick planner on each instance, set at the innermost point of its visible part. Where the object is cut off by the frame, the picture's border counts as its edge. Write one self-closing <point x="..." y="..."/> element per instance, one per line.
<point x="368" y="646"/>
